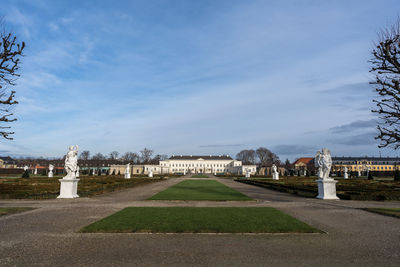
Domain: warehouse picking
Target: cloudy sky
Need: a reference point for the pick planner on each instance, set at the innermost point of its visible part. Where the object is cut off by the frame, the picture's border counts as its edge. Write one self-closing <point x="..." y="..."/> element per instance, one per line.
<point x="196" y="77"/>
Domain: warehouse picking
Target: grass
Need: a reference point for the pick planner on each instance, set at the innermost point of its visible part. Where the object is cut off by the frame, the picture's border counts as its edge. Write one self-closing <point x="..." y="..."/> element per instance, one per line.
<point x="350" y="189"/>
<point x="199" y="176"/>
<point x="46" y="188"/>
<point x="12" y="210"/>
<point x="393" y="212"/>
<point x="200" y="190"/>
<point x="199" y="220"/>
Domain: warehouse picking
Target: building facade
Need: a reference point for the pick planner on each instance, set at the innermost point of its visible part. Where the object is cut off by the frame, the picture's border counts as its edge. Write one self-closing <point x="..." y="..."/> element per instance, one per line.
<point x="190" y="164"/>
<point x="363" y="164"/>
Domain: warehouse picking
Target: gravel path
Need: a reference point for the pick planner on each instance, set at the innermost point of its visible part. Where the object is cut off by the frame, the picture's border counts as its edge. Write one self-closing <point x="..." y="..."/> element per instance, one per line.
<point x="47" y="236"/>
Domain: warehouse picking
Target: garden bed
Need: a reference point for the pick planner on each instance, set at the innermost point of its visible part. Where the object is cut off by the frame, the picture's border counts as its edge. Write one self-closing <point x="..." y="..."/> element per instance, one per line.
<point x="45" y="188"/>
<point x="351" y="189"/>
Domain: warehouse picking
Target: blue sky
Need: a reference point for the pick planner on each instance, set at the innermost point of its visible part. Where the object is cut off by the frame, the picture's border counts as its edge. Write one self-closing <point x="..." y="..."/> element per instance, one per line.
<point x="196" y="77"/>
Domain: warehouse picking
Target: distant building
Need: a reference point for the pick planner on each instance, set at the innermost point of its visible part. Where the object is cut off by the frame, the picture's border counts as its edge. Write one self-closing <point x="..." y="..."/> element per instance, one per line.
<point x="7" y="162"/>
<point x="302" y="164"/>
<point x="363" y="164"/>
<point x="191" y="164"/>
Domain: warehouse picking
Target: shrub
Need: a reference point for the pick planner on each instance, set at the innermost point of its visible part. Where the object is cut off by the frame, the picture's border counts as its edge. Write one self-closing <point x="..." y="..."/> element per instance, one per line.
<point x="113" y="173"/>
<point x="397" y="175"/>
<point x="370" y="177"/>
<point x="25" y="174"/>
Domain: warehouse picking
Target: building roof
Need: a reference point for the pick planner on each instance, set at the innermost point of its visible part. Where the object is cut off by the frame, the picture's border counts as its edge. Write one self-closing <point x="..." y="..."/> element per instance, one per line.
<point x="224" y="157"/>
<point x="303" y="160"/>
<point x="366" y="158"/>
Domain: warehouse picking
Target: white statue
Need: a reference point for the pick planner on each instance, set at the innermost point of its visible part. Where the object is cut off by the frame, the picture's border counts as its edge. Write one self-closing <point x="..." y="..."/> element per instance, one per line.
<point x="151" y="172"/>
<point x="77" y="172"/>
<point x="69" y="184"/>
<point x="51" y="168"/>
<point x="247" y="173"/>
<point x="26" y="168"/>
<point x="35" y="172"/>
<point x="71" y="162"/>
<point x="323" y="162"/>
<point x="345" y="175"/>
<point x="326" y="185"/>
<point x="128" y="171"/>
<point x="275" y="173"/>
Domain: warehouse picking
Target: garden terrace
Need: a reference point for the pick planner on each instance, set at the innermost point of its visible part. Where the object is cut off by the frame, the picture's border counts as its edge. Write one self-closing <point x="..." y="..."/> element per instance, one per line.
<point x="45" y="188"/>
<point x="351" y="189"/>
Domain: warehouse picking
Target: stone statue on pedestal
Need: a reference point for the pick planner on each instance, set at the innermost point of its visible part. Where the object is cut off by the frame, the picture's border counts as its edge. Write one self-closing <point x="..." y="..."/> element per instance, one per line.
<point x="69" y="184"/>
<point x="247" y="173"/>
<point x="51" y="168"/>
<point x="151" y="172"/>
<point x="345" y="175"/>
<point x="326" y="185"/>
<point x="275" y="173"/>
<point x="128" y="171"/>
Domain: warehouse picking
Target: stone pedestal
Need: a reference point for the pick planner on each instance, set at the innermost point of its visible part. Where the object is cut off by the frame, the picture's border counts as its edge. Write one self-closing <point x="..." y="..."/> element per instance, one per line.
<point x="327" y="189"/>
<point x="68" y="188"/>
<point x="127" y="175"/>
<point x="150" y="174"/>
<point x="346" y="176"/>
<point x="50" y="174"/>
<point x="275" y="176"/>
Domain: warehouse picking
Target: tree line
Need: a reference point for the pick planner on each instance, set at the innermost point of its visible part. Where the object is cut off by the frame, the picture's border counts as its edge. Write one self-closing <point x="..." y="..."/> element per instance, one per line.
<point x="145" y="156"/>
<point x="261" y="156"/>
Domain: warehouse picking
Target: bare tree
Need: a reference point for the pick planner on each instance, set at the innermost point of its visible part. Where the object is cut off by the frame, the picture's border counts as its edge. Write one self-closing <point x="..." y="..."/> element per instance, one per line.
<point x="386" y="68"/>
<point x="131" y="156"/>
<point x="85" y="155"/>
<point x="266" y="157"/>
<point x="145" y="155"/>
<point x="98" y="156"/>
<point x="114" y="155"/>
<point x="10" y="54"/>
<point x="247" y="156"/>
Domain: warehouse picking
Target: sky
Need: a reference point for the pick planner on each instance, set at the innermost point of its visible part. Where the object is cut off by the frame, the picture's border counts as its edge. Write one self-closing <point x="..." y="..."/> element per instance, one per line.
<point x="196" y="77"/>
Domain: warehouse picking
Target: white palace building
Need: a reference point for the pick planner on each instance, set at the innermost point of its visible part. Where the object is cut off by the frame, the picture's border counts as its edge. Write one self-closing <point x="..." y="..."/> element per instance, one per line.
<point x="190" y="164"/>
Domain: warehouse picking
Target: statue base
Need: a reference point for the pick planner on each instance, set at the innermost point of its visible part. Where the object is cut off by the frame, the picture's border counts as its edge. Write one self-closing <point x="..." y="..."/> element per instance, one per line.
<point x="68" y="188"/>
<point x="327" y="189"/>
<point x="127" y="176"/>
<point x="150" y="175"/>
<point x="275" y="176"/>
<point x="346" y="176"/>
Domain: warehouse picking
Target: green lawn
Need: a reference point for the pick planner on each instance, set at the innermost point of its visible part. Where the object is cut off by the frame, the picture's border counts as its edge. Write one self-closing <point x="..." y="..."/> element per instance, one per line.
<point x="199" y="220"/>
<point x="200" y="190"/>
<point x="394" y="212"/>
<point x="199" y="176"/>
<point x="11" y="210"/>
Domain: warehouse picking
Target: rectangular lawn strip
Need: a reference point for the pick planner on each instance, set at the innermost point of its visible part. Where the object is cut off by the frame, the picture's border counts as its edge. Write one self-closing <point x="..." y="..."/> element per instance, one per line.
<point x="394" y="212"/>
<point x="12" y="210"/>
<point x="199" y="220"/>
<point x="200" y="190"/>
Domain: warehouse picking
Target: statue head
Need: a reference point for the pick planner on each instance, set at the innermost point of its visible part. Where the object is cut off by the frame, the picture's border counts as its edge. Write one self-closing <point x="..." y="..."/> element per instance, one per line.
<point x="71" y="148"/>
<point x="325" y="151"/>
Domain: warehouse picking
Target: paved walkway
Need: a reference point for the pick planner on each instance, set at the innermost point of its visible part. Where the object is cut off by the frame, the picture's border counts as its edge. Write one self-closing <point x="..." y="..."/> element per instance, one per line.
<point x="48" y="235"/>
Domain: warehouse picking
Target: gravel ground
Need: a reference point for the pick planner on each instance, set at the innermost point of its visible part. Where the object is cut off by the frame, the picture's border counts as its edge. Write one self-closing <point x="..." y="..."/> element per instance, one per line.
<point x="48" y="235"/>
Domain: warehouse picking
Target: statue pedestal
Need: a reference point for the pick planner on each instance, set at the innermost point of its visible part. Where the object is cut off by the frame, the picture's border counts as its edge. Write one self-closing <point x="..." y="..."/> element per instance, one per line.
<point x="346" y="176"/>
<point x="275" y="176"/>
<point x="327" y="189"/>
<point x="68" y="188"/>
<point x="127" y="176"/>
<point x="150" y="174"/>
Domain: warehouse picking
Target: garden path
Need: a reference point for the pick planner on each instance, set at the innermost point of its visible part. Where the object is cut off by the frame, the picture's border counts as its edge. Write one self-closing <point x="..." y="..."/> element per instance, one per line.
<point x="48" y="235"/>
